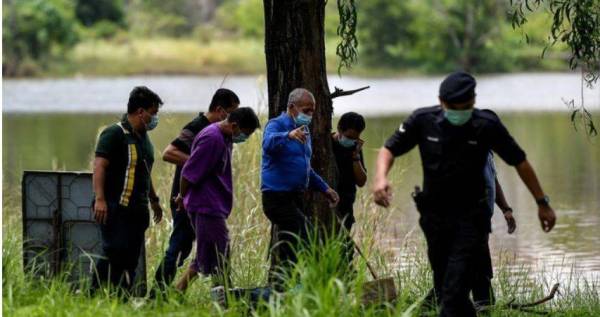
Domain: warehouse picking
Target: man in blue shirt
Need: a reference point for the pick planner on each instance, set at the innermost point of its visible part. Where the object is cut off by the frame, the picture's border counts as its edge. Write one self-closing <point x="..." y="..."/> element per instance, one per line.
<point x="286" y="174"/>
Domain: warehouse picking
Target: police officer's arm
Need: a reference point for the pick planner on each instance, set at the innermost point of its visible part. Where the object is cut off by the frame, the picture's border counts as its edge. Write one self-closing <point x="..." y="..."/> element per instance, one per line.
<point x="99" y="176"/>
<point x="399" y="143"/>
<point x="506" y="147"/>
<point x="545" y="212"/>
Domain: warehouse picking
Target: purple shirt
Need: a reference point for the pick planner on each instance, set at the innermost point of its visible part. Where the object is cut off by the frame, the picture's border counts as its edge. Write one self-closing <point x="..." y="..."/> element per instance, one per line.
<point x="209" y="171"/>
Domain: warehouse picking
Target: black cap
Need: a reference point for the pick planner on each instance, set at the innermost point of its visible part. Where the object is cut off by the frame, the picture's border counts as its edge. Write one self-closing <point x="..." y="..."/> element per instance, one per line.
<point x="458" y="87"/>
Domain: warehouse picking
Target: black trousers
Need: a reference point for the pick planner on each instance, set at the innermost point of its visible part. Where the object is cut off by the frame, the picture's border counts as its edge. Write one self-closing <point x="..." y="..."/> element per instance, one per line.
<point x="180" y="247"/>
<point x="483" y="293"/>
<point x="345" y="214"/>
<point x="454" y="238"/>
<point x="481" y="288"/>
<point x="285" y="210"/>
<point x="122" y="241"/>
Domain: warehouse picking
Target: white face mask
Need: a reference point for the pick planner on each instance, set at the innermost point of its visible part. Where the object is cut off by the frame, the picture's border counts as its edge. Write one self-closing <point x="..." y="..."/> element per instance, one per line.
<point x="153" y="123"/>
<point x="347" y="142"/>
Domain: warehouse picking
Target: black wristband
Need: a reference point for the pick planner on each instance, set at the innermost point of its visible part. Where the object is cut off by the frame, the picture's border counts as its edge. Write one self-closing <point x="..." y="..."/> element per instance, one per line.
<point x="544" y="201"/>
<point x="505" y="210"/>
<point x="154" y="199"/>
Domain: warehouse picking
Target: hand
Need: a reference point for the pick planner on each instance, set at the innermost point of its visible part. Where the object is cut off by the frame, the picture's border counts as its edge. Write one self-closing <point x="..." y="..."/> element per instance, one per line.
<point x="333" y="197"/>
<point x="359" y="145"/>
<point x="382" y="192"/>
<point x="510" y="222"/>
<point x="547" y="217"/>
<point x="299" y="134"/>
<point x="356" y="152"/>
<point x="100" y="211"/>
<point x="179" y="202"/>
<point x="157" y="210"/>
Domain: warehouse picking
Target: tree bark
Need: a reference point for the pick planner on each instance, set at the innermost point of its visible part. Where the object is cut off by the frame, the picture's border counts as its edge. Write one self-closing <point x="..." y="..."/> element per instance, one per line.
<point x="295" y="55"/>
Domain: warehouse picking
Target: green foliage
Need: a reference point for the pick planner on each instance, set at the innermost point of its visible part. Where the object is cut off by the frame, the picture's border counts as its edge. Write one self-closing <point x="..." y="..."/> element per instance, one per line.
<point x="423" y="36"/>
<point x="242" y="17"/>
<point x="575" y="23"/>
<point x="438" y="35"/>
<point x="32" y="30"/>
<point x="175" y="18"/>
<point x="384" y="31"/>
<point x="103" y="29"/>
<point x="90" y="12"/>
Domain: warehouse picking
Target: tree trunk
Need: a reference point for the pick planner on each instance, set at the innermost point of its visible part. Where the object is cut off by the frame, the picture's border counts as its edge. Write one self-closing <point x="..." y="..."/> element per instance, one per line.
<point x="295" y="53"/>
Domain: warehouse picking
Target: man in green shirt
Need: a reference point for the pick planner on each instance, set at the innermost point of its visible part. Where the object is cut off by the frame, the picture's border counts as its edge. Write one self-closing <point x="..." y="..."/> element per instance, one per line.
<point x="123" y="189"/>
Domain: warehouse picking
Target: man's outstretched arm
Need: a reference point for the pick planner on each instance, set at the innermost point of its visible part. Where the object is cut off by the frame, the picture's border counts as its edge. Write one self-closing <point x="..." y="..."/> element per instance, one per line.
<point x="382" y="190"/>
<point x="545" y="212"/>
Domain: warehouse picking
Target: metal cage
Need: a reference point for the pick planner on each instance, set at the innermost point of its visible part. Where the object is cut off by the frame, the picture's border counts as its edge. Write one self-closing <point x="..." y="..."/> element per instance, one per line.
<point x="59" y="231"/>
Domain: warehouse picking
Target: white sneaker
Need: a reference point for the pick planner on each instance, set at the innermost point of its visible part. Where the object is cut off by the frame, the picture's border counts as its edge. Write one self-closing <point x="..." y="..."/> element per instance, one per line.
<point x="217" y="294"/>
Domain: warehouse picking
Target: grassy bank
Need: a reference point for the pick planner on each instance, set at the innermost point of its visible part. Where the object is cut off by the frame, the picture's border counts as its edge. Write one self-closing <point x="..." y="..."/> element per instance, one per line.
<point x="189" y="56"/>
<point x="325" y="291"/>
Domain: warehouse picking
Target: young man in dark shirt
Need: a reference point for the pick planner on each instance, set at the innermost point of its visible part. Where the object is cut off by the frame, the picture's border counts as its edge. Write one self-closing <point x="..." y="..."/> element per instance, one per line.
<point x="224" y="101"/>
<point x="347" y="149"/>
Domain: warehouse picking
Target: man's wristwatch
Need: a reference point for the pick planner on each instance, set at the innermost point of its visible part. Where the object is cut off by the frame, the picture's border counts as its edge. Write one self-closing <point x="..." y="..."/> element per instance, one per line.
<point x="507" y="209"/>
<point x="544" y="201"/>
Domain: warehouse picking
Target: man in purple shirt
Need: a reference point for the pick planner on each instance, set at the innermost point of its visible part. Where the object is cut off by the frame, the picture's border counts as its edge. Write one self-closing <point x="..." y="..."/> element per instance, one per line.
<point x="207" y="192"/>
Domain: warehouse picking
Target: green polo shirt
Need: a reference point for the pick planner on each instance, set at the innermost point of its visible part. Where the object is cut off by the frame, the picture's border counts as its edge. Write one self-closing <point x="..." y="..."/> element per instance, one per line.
<point x="130" y="156"/>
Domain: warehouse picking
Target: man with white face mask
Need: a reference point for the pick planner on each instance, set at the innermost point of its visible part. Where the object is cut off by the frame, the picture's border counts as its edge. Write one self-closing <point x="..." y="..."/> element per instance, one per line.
<point x="454" y="141"/>
<point x="123" y="189"/>
<point x="286" y="174"/>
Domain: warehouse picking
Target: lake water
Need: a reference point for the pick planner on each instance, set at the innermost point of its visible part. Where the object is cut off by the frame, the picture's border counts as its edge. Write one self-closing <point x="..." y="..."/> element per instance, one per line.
<point x="52" y="124"/>
<point x="520" y="92"/>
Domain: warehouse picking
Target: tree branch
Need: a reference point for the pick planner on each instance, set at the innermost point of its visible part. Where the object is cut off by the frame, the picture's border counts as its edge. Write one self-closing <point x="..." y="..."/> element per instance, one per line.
<point x="526" y="306"/>
<point x="538" y="302"/>
<point x="340" y="92"/>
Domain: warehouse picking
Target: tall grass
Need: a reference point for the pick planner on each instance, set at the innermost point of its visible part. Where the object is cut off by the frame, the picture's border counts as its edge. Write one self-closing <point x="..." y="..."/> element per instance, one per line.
<point x="323" y="289"/>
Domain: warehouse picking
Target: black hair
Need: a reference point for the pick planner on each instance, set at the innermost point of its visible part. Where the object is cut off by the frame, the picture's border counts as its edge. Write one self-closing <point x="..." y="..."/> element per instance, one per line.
<point x="351" y="120"/>
<point x="225" y="98"/>
<point x="245" y="117"/>
<point x="142" y="97"/>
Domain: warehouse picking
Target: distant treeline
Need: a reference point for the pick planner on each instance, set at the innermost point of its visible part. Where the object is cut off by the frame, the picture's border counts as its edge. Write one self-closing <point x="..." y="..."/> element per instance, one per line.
<point x="424" y="36"/>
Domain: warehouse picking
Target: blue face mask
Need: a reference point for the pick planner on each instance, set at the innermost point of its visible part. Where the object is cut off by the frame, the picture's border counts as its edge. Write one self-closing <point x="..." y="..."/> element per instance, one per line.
<point x="242" y="137"/>
<point x="346" y="142"/>
<point x="458" y="117"/>
<point x="302" y="119"/>
<point x="153" y="123"/>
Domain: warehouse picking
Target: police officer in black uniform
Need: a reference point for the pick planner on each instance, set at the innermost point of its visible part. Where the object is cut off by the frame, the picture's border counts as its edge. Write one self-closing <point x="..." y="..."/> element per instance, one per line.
<point x="454" y="140"/>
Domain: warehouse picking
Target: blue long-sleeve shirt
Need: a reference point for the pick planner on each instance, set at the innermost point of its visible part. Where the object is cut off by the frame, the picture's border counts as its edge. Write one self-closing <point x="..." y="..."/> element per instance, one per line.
<point x="489" y="173"/>
<point x="286" y="162"/>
